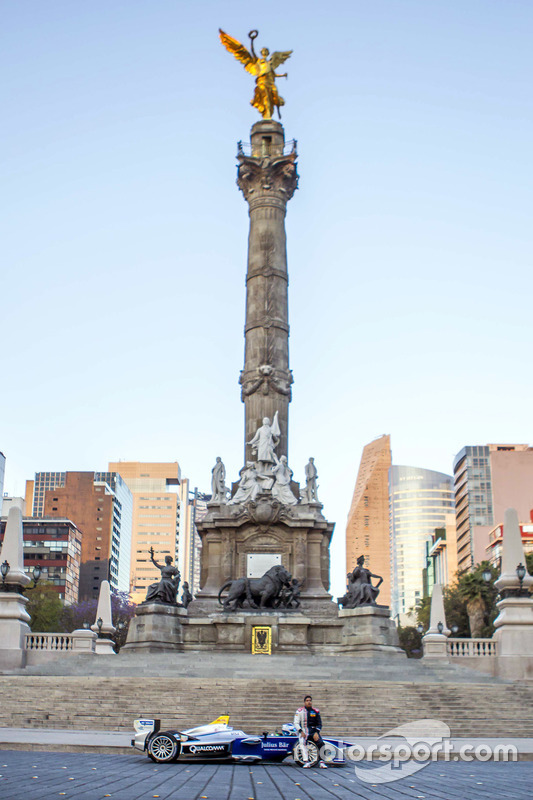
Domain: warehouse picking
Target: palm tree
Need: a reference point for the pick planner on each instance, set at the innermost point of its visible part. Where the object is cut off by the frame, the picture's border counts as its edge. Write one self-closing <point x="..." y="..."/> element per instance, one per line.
<point x="479" y="597"/>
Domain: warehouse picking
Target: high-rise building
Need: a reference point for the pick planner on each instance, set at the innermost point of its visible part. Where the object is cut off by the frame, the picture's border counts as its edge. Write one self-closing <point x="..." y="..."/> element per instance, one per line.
<point x="2" y="473"/>
<point x="493" y="552"/>
<point x="55" y="545"/>
<point x="161" y="519"/>
<point x="489" y="479"/>
<point x="100" y="505"/>
<point x="420" y="499"/>
<point x="367" y="529"/>
<point x="441" y="556"/>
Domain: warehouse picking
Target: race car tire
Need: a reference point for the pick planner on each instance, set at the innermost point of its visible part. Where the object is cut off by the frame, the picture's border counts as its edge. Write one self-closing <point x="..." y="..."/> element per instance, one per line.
<point x="312" y="753"/>
<point x="163" y="748"/>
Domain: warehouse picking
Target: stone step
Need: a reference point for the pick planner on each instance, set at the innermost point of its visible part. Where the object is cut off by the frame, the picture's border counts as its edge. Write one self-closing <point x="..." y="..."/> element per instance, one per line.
<point x="350" y="707"/>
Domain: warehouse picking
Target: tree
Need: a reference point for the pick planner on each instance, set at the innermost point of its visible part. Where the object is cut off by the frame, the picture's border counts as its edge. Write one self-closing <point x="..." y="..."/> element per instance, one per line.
<point x="410" y="641"/>
<point x="529" y="562"/>
<point x="479" y="597"/>
<point x="44" y="607"/>
<point x="122" y="610"/>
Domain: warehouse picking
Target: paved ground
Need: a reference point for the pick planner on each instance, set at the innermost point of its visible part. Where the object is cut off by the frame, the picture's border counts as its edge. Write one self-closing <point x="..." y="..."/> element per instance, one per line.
<point x="32" y="776"/>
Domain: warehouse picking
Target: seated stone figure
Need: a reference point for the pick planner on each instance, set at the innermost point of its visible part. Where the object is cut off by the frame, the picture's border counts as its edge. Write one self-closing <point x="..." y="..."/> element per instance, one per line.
<point x="166" y="589"/>
<point x="360" y="590"/>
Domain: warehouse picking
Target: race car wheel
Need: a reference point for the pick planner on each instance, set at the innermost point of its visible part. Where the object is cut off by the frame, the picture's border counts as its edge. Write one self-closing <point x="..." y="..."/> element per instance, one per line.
<point x="163" y="748"/>
<point x="299" y="755"/>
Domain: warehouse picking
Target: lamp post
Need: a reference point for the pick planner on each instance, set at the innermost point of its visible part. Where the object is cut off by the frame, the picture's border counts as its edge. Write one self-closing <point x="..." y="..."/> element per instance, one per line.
<point x="4" y="569"/>
<point x="521" y="574"/>
<point x="99" y="623"/>
<point x="455" y="629"/>
<point x="37" y="570"/>
<point x="487" y="575"/>
<point x="420" y="628"/>
<point x="440" y="627"/>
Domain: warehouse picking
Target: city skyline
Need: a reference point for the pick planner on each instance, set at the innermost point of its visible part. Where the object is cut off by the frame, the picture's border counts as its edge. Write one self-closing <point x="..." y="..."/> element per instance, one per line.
<point x="409" y="243"/>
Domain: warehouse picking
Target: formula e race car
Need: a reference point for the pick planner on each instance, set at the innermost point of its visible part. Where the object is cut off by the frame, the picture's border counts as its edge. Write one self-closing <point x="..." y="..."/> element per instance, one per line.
<point x="218" y="740"/>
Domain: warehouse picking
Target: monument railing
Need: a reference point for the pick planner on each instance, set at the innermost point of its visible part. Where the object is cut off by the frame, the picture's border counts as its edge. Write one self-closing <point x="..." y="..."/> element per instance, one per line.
<point x="49" y="641"/>
<point x="471" y="647"/>
<point x="245" y="149"/>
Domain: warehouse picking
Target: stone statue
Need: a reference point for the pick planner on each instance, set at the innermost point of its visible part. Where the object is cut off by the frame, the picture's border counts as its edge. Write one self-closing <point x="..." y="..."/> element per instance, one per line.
<point x="360" y="591"/>
<point x="248" y="485"/>
<point x="186" y="596"/>
<point x="282" y="485"/>
<point x="166" y="590"/>
<point x="257" y="592"/>
<point x="266" y="96"/>
<point x="218" y="482"/>
<point x="311" y="485"/>
<point x="266" y="440"/>
<point x="290" y="595"/>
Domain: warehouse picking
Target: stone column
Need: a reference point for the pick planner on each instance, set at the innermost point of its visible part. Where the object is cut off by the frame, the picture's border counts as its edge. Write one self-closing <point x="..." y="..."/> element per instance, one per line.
<point x="13" y="615"/>
<point x="267" y="179"/>
<point x="434" y="642"/>
<point x="514" y="623"/>
<point x="314" y="584"/>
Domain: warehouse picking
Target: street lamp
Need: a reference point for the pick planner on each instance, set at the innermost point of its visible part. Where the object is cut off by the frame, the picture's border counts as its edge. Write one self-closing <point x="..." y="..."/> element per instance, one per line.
<point x="420" y="628"/>
<point x="487" y="575"/>
<point x="521" y="574"/>
<point x="37" y="570"/>
<point x="4" y="569"/>
<point x="99" y="623"/>
<point x="86" y="626"/>
<point x="455" y="629"/>
<point x="120" y="625"/>
<point x="440" y="627"/>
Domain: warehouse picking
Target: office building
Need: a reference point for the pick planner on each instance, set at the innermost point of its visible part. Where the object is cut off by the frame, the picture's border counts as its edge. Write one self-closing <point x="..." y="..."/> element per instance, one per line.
<point x="55" y="545"/>
<point x="488" y="479"/>
<point x="420" y="499"/>
<point x="441" y="556"/>
<point x="367" y="529"/>
<point x="161" y="519"/>
<point x="2" y="473"/>
<point x="11" y="502"/>
<point x="493" y="552"/>
<point x="100" y="505"/>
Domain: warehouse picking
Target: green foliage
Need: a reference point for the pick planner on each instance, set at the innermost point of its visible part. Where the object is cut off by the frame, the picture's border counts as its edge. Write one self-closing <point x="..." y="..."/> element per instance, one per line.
<point x="410" y="641"/>
<point x="529" y="562"/>
<point x="469" y="586"/>
<point x="44" y="607"/>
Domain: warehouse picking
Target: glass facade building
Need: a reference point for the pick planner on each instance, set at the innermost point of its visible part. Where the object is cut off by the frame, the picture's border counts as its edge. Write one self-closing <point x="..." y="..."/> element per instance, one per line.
<point x="419" y="501"/>
<point x="473" y="499"/>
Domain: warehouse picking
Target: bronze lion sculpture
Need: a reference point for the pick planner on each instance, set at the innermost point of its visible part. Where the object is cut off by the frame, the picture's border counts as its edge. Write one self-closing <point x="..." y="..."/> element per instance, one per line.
<point x="258" y="592"/>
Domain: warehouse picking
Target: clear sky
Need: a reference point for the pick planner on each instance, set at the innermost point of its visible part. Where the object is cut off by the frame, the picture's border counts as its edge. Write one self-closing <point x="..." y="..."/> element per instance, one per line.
<point x="123" y="235"/>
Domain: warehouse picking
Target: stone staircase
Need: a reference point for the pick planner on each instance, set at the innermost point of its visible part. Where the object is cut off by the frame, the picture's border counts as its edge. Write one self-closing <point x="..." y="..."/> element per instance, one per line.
<point x="350" y="707"/>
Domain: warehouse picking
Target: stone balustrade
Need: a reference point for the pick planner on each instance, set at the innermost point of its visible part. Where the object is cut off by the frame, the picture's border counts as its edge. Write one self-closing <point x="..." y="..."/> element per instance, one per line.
<point x="40" y="648"/>
<point x="471" y="647"/>
<point x="49" y="641"/>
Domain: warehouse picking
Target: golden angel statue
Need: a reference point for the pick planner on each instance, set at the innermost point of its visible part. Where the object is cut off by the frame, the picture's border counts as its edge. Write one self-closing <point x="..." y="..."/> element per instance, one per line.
<point x="266" y="96"/>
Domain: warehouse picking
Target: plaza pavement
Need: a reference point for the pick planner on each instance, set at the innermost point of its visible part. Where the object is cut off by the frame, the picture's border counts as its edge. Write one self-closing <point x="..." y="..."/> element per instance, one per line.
<point x="43" y="775"/>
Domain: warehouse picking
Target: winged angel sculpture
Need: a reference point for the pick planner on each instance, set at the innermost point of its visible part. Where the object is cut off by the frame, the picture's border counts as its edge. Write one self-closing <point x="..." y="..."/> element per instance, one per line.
<point x="266" y="96"/>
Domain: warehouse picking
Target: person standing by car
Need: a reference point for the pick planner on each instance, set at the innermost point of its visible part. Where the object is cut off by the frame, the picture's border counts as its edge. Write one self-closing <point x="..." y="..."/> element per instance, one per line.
<point x="308" y="723"/>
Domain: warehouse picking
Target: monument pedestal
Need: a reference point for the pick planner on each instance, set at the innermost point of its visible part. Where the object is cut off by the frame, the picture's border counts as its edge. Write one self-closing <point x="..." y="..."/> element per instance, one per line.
<point x="369" y="631"/>
<point x="13" y="629"/>
<point x="514" y="637"/>
<point x="156" y="627"/>
<point x="297" y="536"/>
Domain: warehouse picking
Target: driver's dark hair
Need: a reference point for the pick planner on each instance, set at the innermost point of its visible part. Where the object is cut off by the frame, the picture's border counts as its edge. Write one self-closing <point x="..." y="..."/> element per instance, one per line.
<point x="307" y="696"/>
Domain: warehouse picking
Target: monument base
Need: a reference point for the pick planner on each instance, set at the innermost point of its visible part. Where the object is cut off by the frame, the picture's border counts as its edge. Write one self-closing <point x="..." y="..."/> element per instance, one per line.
<point x="13" y="629"/>
<point x="369" y="631"/>
<point x="156" y="627"/>
<point x="366" y="631"/>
